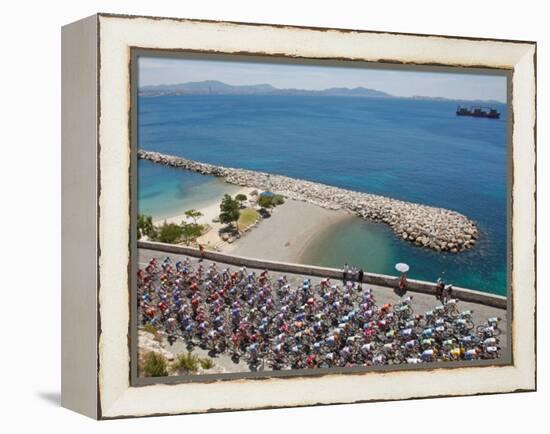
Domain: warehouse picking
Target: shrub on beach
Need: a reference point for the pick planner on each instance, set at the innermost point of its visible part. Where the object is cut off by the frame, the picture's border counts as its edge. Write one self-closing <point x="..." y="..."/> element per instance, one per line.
<point x="169" y="233"/>
<point x="206" y="363"/>
<point x="278" y="199"/>
<point x="191" y="232"/>
<point x="265" y="201"/>
<point x="270" y="200"/>
<point x="173" y="233"/>
<point x="150" y="328"/>
<point x="155" y="365"/>
<point x="188" y="363"/>
<point x="145" y="227"/>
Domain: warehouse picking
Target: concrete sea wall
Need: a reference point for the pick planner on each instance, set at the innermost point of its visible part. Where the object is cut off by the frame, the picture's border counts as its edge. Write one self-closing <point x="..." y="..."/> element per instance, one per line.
<point x="420" y="286"/>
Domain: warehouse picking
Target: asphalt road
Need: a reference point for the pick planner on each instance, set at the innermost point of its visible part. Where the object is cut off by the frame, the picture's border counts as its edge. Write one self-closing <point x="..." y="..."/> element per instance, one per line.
<point x="422" y="303"/>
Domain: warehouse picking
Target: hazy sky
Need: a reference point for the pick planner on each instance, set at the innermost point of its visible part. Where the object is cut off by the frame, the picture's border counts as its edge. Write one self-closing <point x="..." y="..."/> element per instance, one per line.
<point x="396" y="82"/>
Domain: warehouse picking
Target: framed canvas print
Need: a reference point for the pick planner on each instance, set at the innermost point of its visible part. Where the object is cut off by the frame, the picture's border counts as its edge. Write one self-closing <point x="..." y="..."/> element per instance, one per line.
<point x="261" y="216"/>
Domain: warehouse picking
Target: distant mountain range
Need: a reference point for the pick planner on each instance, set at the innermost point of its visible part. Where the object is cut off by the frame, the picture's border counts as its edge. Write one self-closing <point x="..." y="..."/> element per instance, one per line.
<point x="214" y="87"/>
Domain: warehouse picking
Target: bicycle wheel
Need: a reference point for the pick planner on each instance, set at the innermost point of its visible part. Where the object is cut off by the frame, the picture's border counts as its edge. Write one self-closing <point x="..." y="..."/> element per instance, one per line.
<point x="452" y="311"/>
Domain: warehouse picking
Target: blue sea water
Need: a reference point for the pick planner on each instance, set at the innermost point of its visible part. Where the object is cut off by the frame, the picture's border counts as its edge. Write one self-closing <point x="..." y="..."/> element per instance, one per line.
<point x="415" y="150"/>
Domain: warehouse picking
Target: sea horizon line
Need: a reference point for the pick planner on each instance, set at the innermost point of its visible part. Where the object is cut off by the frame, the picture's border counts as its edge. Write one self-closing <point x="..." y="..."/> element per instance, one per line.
<point x="217" y="87"/>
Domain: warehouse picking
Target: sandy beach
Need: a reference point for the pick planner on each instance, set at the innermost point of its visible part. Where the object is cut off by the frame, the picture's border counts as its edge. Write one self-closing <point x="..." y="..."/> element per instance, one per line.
<point x="210" y="211"/>
<point x="426" y="226"/>
<point x="284" y="236"/>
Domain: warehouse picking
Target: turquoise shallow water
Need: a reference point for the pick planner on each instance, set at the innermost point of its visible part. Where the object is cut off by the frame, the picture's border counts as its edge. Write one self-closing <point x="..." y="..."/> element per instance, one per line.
<point x="375" y="248"/>
<point x="407" y="149"/>
<point x="167" y="192"/>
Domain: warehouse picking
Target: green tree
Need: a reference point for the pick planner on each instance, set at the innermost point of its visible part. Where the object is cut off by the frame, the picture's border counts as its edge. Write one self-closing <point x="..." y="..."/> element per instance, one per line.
<point x="190" y="232"/>
<point x="169" y="233"/>
<point x="193" y="214"/>
<point x="229" y="208"/>
<point x="145" y="226"/>
<point x="241" y="198"/>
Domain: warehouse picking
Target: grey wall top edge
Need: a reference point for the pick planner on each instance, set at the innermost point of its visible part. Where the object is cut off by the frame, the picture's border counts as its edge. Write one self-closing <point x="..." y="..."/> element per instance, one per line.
<point x="374" y="279"/>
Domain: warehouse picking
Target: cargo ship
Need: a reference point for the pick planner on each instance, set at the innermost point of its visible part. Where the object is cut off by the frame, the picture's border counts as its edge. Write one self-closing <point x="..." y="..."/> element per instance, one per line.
<point x="478" y="112"/>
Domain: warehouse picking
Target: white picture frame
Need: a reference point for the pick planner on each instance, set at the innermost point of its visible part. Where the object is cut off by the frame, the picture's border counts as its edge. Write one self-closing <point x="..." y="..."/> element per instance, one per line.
<point x="96" y="250"/>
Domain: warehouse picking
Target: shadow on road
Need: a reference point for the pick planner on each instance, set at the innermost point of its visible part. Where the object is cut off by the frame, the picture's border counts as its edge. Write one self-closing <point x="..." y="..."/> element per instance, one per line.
<point x="400" y="292"/>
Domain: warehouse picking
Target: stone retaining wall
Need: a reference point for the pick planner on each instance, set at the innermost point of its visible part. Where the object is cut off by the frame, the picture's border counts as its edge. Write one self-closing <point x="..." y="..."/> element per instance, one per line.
<point x="310" y="270"/>
<point x="426" y="226"/>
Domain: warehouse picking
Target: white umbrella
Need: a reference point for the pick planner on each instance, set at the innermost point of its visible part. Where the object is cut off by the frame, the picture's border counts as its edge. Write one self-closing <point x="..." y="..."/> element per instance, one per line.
<point x="402" y="267"/>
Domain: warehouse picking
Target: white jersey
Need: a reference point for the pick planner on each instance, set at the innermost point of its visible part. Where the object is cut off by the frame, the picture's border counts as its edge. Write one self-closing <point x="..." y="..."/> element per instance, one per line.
<point x="379" y="360"/>
<point x="366" y="348"/>
<point x="411" y="343"/>
<point x="470" y="354"/>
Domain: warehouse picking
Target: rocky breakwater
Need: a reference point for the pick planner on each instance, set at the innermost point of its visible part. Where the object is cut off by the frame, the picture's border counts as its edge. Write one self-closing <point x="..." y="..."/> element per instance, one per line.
<point x="426" y="226"/>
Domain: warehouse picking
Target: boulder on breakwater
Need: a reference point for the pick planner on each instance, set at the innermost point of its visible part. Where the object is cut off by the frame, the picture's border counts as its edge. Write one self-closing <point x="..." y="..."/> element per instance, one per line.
<point x="430" y="227"/>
